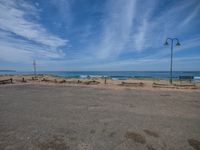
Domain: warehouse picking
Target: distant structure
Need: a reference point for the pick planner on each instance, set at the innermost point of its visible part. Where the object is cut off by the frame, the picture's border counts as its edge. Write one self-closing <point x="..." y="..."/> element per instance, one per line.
<point x="34" y="67"/>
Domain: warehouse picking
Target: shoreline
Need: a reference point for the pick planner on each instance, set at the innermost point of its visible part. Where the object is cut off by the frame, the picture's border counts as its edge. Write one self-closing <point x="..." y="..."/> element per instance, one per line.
<point x="115" y="75"/>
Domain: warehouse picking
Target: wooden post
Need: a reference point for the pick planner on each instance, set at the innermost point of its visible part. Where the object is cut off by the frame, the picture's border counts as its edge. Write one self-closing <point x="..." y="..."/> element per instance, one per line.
<point x="11" y="80"/>
<point x="105" y="81"/>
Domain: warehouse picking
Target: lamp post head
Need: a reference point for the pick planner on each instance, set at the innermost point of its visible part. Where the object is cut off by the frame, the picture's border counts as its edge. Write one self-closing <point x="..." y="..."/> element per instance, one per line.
<point x="178" y="44"/>
<point x="166" y="43"/>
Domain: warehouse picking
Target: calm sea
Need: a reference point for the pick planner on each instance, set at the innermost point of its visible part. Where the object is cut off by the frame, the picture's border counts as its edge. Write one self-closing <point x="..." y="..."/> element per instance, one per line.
<point x="116" y="74"/>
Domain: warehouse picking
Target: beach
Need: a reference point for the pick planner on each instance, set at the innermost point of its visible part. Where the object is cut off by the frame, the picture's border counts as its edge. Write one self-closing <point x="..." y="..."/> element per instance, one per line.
<point x="50" y="113"/>
<point x="103" y="82"/>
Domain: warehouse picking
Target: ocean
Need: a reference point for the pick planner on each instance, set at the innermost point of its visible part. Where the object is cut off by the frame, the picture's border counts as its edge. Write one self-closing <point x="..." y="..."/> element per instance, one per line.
<point x="115" y="75"/>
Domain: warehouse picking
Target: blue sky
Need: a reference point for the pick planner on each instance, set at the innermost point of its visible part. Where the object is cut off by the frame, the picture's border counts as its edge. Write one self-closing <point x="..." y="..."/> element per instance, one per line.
<point x="106" y="35"/>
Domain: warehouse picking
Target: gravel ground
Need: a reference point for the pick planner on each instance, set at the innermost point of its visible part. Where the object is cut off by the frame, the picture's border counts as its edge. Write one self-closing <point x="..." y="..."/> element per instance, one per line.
<point x="79" y="118"/>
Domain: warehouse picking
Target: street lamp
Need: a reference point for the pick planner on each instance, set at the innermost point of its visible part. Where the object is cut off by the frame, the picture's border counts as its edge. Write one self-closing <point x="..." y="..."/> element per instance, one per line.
<point x="34" y="67"/>
<point x="172" y="45"/>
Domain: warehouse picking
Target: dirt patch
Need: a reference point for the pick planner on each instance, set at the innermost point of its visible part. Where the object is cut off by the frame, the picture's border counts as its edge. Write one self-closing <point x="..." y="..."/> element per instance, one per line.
<point x="55" y="142"/>
<point x="104" y="130"/>
<point x="136" y="137"/>
<point x="41" y="111"/>
<point x="131" y="105"/>
<point x="84" y="146"/>
<point x="92" y="131"/>
<point x="150" y="147"/>
<point x="194" y="143"/>
<point x="151" y="133"/>
<point x="112" y="134"/>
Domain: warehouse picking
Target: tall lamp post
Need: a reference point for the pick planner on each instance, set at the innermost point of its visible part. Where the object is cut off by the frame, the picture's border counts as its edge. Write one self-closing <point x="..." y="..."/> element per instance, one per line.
<point x="34" y="67"/>
<point x="172" y="45"/>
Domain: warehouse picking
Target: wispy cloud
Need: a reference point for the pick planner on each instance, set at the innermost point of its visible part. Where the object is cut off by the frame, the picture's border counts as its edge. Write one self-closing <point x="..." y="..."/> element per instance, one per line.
<point x="14" y="18"/>
<point x="136" y="26"/>
<point x="18" y="50"/>
<point x="152" y="29"/>
<point x="116" y="28"/>
<point x="191" y="15"/>
<point x="140" y="36"/>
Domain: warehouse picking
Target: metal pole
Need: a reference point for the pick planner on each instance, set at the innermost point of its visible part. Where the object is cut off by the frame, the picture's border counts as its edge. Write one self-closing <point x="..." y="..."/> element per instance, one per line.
<point x="34" y="66"/>
<point x="171" y="61"/>
<point x="172" y="46"/>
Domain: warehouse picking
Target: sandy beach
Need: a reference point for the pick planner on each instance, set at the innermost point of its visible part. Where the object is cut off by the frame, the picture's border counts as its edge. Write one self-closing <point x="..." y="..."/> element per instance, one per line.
<point x="97" y="82"/>
<point x="60" y="115"/>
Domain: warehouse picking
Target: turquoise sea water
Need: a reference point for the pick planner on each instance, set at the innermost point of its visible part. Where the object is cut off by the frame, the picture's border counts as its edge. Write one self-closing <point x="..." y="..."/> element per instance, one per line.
<point x="116" y="74"/>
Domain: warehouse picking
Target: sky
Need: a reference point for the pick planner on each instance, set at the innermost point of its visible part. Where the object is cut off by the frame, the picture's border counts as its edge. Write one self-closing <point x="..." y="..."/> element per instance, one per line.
<point x="99" y="35"/>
